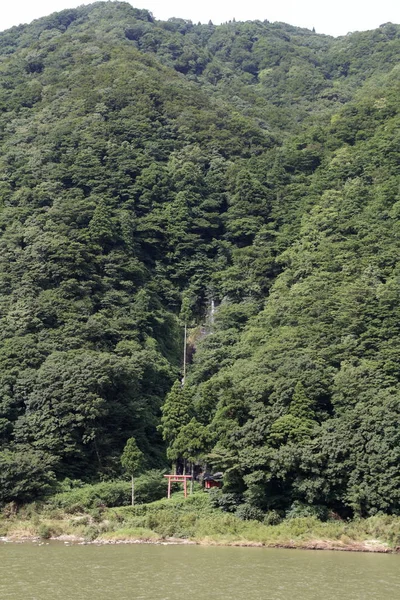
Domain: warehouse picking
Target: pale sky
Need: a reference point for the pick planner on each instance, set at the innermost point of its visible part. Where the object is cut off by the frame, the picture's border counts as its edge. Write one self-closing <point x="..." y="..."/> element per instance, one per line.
<point x="335" y="17"/>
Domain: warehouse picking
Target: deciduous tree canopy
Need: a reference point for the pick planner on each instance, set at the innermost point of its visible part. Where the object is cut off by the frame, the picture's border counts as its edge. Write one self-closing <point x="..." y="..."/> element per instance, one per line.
<point x="149" y="167"/>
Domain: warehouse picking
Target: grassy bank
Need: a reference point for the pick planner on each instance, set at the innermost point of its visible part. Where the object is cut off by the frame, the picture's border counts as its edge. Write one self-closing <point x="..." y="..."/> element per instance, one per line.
<point x="195" y="519"/>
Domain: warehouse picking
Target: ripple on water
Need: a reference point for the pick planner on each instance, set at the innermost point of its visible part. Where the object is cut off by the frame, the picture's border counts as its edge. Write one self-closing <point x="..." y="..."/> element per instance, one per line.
<point x="121" y="572"/>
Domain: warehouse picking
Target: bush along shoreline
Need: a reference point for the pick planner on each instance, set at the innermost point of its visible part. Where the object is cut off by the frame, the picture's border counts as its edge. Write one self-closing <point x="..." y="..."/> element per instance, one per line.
<point x="100" y="514"/>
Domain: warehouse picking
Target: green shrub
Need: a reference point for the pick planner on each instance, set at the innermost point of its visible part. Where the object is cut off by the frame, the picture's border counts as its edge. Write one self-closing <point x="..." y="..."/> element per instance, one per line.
<point x="74" y="508"/>
<point x="92" y="496"/>
<point x="163" y="523"/>
<point x="246" y="512"/>
<point x="298" y="509"/>
<point x="272" y="517"/>
<point x="97" y="514"/>
<point x="67" y="484"/>
<point x="9" y="510"/>
<point x="44" y="531"/>
<point x="171" y="523"/>
<point x="29" y="511"/>
<point x="91" y="533"/>
<point x="135" y="522"/>
<point x="80" y="521"/>
<point x="149" y="487"/>
<point x="227" y="502"/>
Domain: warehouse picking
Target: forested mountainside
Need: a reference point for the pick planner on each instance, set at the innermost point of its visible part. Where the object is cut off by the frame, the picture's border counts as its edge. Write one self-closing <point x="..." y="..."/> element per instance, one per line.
<point x="150" y="168"/>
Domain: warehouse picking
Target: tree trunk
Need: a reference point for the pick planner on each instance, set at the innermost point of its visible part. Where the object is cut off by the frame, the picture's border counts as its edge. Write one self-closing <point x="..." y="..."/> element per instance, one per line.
<point x="184" y="355"/>
<point x="192" y="479"/>
<point x="133" y="492"/>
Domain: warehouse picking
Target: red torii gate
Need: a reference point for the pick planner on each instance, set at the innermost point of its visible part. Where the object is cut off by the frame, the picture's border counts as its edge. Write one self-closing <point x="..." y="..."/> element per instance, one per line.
<point x="180" y="479"/>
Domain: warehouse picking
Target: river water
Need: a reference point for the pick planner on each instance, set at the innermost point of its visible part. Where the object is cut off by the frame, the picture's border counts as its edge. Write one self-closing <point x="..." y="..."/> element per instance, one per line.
<point x="134" y="572"/>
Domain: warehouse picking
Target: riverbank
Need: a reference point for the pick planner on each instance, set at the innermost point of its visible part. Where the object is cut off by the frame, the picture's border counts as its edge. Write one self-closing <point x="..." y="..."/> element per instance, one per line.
<point x="333" y="545"/>
<point x="195" y="521"/>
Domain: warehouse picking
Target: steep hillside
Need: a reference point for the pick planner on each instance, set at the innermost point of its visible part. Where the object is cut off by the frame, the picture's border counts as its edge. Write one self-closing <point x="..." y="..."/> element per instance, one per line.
<point x="147" y="167"/>
<point x="304" y="400"/>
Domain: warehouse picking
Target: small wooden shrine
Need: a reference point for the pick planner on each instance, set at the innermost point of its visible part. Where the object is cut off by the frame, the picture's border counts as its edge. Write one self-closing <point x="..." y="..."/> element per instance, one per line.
<point x="212" y="481"/>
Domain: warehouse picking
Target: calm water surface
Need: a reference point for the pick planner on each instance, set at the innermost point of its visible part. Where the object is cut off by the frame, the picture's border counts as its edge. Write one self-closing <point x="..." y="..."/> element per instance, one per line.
<point x="124" y="572"/>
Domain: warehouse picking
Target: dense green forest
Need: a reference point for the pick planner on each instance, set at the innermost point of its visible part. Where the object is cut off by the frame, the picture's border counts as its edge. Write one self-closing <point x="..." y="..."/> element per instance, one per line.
<point x="151" y="170"/>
